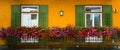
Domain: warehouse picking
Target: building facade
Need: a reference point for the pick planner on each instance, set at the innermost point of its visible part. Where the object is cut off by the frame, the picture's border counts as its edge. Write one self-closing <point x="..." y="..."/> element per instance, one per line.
<point x="48" y="13"/>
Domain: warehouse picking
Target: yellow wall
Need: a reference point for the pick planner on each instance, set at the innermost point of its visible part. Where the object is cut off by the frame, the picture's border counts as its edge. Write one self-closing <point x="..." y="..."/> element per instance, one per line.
<point x="54" y="19"/>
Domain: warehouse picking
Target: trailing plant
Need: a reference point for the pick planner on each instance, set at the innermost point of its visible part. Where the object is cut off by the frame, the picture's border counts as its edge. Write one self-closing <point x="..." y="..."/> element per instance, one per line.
<point x="60" y="33"/>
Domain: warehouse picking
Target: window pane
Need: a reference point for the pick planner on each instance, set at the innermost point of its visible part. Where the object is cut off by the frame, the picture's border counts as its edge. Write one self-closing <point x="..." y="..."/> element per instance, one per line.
<point x="97" y="19"/>
<point x="29" y="9"/>
<point x="33" y="16"/>
<point x="88" y="20"/>
<point x="93" y="9"/>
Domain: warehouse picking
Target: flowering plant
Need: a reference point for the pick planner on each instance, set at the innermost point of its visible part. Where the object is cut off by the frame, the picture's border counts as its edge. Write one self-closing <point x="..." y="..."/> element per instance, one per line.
<point x="69" y="32"/>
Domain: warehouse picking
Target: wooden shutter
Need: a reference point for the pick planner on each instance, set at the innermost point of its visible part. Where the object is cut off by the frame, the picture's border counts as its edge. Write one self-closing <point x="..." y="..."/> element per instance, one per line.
<point x="15" y="16"/>
<point x="80" y="18"/>
<point x="107" y="15"/>
<point x="43" y="15"/>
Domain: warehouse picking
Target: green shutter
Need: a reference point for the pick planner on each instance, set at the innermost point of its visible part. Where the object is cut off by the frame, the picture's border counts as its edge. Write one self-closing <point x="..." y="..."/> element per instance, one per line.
<point x="15" y="16"/>
<point x="107" y="15"/>
<point x="43" y="15"/>
<point x="80" y="20"/>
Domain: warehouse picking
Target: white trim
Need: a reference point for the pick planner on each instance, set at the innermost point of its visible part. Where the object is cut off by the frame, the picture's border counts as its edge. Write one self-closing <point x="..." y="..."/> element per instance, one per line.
<point x="94" y="6"/>
<point x="93" y="22"/>
<point x="101" y="20"/>
<point x="30" y="22"/>
<point x="29" y="6"/>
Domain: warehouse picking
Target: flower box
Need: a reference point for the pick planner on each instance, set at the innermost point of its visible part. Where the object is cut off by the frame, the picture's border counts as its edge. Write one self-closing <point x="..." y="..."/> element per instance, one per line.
<point x="68" y="36"/>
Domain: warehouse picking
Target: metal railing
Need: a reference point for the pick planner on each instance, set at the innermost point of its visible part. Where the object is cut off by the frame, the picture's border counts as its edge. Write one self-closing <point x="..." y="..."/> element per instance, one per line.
<point x="29" y="40"/>
<point x="93" y="39"/>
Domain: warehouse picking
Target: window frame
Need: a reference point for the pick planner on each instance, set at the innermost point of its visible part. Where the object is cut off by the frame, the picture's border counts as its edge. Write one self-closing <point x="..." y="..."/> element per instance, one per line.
<point x="29" y="12"/>
<point x="93" y="13"/>
<point x="30" y="6"/>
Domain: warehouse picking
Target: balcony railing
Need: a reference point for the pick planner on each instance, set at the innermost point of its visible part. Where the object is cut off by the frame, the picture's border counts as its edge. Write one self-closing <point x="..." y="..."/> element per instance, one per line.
<point x="87" y="40"/>
<point x="62" y="37"/>
<point x="29" y="40"/>
<point x="94" y="39"/>
<point x="95" y="42"/>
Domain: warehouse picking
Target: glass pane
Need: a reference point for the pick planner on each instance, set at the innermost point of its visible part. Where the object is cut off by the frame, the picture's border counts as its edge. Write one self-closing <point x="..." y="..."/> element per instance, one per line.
<point x="93" y="9"/>
<point x="25" y="19"/>
<point x="88" y="20"/>
<point x="33" y="16"/>
<point x="97" y="19"/>
<point x="29" y="9"/>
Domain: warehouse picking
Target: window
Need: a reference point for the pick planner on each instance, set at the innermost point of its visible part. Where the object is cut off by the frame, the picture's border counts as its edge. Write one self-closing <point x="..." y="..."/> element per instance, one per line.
<point x="93" y="16"/>
<point x="87" y="16"/>
<point x="29" y="16"/>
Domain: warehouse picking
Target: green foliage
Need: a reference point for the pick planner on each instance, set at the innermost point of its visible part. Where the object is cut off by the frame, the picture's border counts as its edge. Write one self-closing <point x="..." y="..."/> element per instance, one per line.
<point x="52" y="34"/>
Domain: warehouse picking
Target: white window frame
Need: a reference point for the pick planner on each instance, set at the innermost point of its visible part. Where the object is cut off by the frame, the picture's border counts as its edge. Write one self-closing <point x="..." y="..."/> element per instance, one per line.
<point x="93" y="15"/>
<point x="93" y="25"/>
<point x="94" y="6"/>
<point x="30" y="19"/>
<point x="30" y="12"/>
<point x="29" y="6"/>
